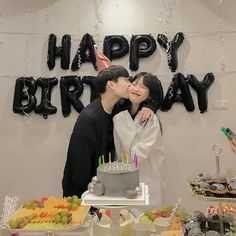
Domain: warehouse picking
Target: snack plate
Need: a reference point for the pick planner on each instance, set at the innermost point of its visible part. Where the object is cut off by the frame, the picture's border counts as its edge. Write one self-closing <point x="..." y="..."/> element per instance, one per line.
<point x="86" y="221"/>
<point x="152" y="225"/>
<point x="198" y="194"/>
<point x="179" y="232"/>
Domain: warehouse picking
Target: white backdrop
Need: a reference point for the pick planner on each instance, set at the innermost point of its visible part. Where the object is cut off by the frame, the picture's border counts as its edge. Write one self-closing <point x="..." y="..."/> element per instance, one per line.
<point x="33" y="150"/>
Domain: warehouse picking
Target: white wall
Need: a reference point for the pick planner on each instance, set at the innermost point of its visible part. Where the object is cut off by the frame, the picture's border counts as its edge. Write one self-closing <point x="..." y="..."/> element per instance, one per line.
<point x="33" y="150"/>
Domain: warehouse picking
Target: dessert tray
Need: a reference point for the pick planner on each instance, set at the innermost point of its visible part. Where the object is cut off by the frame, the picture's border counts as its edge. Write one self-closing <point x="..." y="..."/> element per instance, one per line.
<point x="93" y="200"/>
<point x="48" y="216"/>
<point x="201" y="194"/>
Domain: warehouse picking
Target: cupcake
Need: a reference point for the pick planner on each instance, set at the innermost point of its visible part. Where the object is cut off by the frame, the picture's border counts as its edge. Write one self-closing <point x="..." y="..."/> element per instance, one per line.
<point x="232" y="189"/>
<point x="212" y="233"/>
<point x="231" y="179"/>
<point x="219" y="190"/>
<point x="195" y="232"/>
<point x="202" y="177"/>
<point x="199" y="217"/>
<point x="219" y="180"/>
<point x="213" y="222"/>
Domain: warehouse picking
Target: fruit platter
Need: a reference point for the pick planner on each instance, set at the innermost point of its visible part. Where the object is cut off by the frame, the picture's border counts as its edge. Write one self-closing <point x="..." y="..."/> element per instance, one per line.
<point x="49" y="213"/>
<point x="149" y="216"/>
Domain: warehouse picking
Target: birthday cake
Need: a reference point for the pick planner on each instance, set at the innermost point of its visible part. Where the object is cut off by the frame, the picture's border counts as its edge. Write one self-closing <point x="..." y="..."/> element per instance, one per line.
<point x="116" y="179"/>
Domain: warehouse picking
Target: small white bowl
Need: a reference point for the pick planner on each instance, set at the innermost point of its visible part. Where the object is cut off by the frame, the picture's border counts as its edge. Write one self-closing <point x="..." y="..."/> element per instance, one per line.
<point x="162" y="224"/>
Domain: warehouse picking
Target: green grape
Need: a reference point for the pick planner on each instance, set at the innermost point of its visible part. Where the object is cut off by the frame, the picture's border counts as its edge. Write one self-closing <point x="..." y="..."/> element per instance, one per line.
<point x="74" y="206"/>
<point x="57" y="219"/>
<point x="34" y="205"/>
<point x="77" y="201"/>
<point x="69" y="199"/>
<point x="13" y="224"/>
<point x="27" y="205"/>
<point x="64" y="219"/>
<point x="152" y="217"/>
<point x="19" y="220"/>
<point x="74" y="197"/>
<point x="64" y="213"/>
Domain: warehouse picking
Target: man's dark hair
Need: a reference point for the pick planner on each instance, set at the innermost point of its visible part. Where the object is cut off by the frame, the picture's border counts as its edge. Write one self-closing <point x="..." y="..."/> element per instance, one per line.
<point x="110" y="73"/>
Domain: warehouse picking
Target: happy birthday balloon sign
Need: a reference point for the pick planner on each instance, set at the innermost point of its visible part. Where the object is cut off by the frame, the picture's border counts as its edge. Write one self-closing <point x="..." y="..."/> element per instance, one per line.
<point x="114" y="47"/>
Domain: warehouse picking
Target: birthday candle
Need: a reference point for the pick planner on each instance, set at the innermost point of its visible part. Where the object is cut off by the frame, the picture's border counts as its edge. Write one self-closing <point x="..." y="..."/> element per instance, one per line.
<point x="103" y="160"/>
<point x="127" y="158"/>
<point x="109" y="157"/>
<point x="99" y="161"/>
<point x="122" y="157"/>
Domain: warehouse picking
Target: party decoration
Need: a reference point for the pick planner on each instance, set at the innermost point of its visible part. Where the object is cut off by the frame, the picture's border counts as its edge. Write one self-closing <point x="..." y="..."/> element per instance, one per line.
<point x="63" y="51"/>
<point x="178" y="91"/>
<point x="25" y="89"/>
<point x="9" y="207"/>
<point x="141" y="46"/>
<point x="91" y="82"/>
<point x="102" y="61"/>
<point x="85" y="52"/>
<point x="201" y="88"/>
<point x="115" y="46"/>
<point x="46" y="108"/>
<point x="171" y="48"/>
<point x="71" y="89"/>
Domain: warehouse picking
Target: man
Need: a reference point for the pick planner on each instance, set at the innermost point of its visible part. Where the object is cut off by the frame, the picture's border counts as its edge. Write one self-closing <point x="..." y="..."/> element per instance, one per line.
<point x="93" y="131"/>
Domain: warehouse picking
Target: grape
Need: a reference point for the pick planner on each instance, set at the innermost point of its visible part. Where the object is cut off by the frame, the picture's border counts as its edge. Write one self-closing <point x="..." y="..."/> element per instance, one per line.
<point x="57" y="219"/>
<point x="27" y="205"/>
<point x="77" y="201"/>
<point x="64" y="220"/>
<point x="13" y="224"/>
<point x="74" y="206"/>
<point x="69" y="199"/>
<point x="64" y="213"/>
<point x="19" y="220"/>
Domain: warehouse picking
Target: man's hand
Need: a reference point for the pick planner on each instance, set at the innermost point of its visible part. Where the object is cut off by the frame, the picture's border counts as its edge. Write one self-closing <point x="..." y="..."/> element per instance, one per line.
<point x="145" y="114"/>
<point x="232" y="144"/>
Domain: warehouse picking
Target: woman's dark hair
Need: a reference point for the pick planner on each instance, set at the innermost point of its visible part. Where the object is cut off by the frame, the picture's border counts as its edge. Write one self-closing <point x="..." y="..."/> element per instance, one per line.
<point x="110" y="73"/>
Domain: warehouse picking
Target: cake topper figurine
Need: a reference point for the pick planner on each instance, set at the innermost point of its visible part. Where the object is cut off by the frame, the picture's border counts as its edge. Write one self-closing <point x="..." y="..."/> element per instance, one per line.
<point x="101" y="60"/>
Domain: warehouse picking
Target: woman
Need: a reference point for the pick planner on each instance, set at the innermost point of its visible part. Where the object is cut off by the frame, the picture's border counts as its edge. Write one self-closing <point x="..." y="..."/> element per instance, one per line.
<point x="143" y="140"/>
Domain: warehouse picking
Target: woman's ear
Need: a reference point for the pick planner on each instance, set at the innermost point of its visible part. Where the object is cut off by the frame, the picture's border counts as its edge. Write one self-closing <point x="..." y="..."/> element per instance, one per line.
<point x="110" y="84"/>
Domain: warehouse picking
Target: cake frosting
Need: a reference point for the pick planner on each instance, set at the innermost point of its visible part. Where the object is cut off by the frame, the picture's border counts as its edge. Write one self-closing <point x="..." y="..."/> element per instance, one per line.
<point x="116" y="179"/>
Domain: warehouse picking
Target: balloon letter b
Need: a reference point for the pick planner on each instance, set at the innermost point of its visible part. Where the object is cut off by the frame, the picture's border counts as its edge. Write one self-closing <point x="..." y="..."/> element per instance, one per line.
<point x="25" y="89"/>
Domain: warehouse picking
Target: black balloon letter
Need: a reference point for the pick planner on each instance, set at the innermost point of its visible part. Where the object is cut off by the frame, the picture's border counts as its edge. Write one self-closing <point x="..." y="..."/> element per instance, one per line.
<point x="25" y="89"/>
<point x="71" y="89"/>
<point x="179" y="82"/>
<point x="140" y="46"/>
<point x="115" y="46"/>
<point x="85" y="52"/>
<point x="201" y="87"/>
<point x="91" y="82"/>
<point x="45" y="108"/>
<point x="171" y="48"/>
<point x="63" y="51"/>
